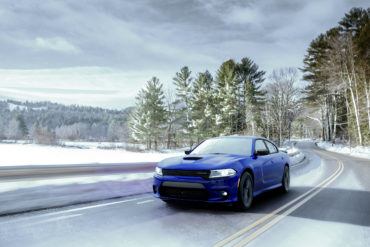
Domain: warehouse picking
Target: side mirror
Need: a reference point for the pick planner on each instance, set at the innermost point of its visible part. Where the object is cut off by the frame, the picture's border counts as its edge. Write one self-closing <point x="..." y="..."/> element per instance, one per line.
<point x="262" y="152"/>
<point x="187" y="151"/>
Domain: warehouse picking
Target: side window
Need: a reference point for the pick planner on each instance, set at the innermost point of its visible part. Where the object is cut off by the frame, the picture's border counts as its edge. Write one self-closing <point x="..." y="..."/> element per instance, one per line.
<point x="272" y="148"/>
<point x="260" y="146"/>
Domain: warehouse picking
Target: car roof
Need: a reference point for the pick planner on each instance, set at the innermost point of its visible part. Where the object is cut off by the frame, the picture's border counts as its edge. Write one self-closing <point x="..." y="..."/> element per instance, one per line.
<point x="240" y="136"/>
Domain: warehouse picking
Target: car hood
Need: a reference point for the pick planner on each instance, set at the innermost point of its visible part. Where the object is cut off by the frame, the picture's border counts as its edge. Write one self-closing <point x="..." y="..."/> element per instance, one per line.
<point x="202" y="162"/>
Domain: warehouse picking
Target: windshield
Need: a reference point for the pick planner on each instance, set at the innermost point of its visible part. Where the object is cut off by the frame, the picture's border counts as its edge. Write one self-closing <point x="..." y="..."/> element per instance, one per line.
<point x="237" y="146"/>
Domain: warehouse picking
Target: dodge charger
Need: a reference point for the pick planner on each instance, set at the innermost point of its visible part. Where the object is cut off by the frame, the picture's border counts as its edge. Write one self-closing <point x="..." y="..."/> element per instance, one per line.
<point x="231" y="169"/>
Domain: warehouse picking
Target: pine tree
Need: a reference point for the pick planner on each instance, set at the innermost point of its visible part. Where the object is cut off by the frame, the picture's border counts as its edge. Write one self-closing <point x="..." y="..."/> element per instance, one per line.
<point x="317" y="91"/>
<point x="22" y="126"/>
<point x="251" y="96"/>
<point x="337" y="69"/>
<point x="138" y="122"/>
<point x="227" y="99"/>
<point x="202" y="106"/>
<point x="13" y="130"/>
<point x="183" y="84"/>
<point x="149" y="118"/>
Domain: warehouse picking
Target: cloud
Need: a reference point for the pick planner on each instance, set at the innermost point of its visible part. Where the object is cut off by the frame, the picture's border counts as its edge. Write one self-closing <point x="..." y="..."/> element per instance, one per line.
<point x="55" y="44"/>
<point x="244" y="16"/>
<point x="96" y="86"/>
<point x="119" y="45"/>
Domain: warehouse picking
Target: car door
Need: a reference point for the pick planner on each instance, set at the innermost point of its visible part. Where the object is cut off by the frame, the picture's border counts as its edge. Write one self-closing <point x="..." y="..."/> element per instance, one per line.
<point x="264" y="161"/>
<point x="276" y="167"/>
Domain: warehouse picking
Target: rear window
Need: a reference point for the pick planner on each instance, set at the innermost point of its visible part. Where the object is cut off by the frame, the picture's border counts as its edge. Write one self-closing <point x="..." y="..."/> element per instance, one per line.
<point x="271" y="147"/>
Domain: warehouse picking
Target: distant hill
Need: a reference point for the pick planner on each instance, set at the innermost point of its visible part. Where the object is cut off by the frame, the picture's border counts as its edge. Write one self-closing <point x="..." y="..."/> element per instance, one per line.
<point x="21" y="120"/>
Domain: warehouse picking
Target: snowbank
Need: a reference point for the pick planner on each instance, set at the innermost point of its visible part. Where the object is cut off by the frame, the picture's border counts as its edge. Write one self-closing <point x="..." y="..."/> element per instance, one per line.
<point x="358" y="151"/>
<point x="297" y="158"/>
<point x="23" y="196"/>
<point x="6" y="186"/>
<point x="295" y="154"/>
<point x="103" y="145"/>
<point x="32" y="154"/>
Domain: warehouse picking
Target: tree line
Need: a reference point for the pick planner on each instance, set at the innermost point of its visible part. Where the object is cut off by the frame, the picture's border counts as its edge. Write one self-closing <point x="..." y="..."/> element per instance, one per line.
<point x="337" y="67"/>
<point x="47" y="123"/>
<point x="232" y="101"/>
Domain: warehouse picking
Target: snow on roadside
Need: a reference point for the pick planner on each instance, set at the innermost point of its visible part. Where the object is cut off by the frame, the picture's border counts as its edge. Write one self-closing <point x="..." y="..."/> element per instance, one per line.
<point x="32" y="154"/>
<point x="297" y="158"/>
<point x="295" y="154"/>
<point x="102" y="145"/>
<point x="25" y="184"/>
<point x="358" y="151"/>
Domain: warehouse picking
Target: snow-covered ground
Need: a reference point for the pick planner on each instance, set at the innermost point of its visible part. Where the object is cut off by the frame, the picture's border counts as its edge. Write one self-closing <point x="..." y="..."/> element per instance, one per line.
<point x="6" y="186"/>
<point x="32" y="154"/>
<point x="102" y="145"/>
<point x="295" y="155"/>
<point x="358" y="151"/>
<point x="21" y="153"/>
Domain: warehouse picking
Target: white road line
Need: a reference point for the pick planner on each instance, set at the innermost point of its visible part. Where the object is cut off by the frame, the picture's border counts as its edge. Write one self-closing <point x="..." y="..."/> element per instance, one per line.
<point x="147" y="201"/>
<point x="97" y="206"/>
<point x="278" y="218"/>
<point x="74" y="210"/>
<point x="276" y="211"/>
<point x="55" y="219"/>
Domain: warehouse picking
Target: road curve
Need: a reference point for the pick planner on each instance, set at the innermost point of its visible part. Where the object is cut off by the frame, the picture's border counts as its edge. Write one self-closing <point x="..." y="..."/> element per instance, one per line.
<point x="332" y="209"/>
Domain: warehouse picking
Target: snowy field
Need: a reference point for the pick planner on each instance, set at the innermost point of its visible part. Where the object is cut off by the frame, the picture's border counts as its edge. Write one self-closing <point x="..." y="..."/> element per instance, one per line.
<point x="89" y="153"/>
<point x="32" y="154"/>
<point x="359" y="151"/>
<point x="103" y="145"/>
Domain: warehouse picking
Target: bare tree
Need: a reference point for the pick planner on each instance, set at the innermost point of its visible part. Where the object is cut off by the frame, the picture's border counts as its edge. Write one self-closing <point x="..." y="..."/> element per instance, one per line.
<point x="344" y="77"/>
<point x="282" y="97"/>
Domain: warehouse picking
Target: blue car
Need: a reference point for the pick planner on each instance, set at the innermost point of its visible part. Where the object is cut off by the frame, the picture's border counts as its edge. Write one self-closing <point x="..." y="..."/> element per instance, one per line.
<point x="231" y="169"/>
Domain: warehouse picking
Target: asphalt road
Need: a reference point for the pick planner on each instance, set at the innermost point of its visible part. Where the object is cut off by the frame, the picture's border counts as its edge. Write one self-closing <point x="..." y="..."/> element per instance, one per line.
<point x="328" y="205"/>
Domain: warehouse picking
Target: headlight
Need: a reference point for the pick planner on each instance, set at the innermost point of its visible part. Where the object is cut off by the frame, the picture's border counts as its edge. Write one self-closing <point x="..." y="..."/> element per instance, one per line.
<point x="158" y="171"/>
<point x="222" y="173"/>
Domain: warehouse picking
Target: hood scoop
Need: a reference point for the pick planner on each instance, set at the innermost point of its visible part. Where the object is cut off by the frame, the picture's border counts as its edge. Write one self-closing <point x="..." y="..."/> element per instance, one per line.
<point x="191" y="158"/>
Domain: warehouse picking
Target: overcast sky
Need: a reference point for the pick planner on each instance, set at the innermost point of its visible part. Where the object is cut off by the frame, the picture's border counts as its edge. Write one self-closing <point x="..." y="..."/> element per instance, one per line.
<point x="102" y="52"/>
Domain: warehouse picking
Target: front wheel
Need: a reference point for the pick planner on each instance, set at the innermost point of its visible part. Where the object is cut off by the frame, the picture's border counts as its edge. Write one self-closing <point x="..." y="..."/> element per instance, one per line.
<point x="286" y="180"/>
<point x="245" y="192"/>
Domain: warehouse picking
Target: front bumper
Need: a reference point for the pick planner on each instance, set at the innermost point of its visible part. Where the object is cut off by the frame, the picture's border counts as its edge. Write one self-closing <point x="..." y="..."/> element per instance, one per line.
<point x="196" y="188"/>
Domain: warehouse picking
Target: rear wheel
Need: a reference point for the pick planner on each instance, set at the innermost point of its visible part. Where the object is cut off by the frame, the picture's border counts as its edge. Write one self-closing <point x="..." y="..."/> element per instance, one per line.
<point x="286" y="180"/>
<point x="245" y="192"/>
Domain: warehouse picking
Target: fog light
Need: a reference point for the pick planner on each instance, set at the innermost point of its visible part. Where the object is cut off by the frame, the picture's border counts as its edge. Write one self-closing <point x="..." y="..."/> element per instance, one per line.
<point x="224" y="193"/>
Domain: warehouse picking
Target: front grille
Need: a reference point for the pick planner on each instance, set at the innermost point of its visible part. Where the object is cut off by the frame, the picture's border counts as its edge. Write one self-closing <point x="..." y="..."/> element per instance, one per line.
<point x="183" y="193"/>
<point x="186" y="173"/>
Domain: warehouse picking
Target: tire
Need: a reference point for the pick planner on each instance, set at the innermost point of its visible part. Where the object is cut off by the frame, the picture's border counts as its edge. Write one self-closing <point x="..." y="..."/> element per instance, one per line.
<point x="245" y="192"/>
<point x="286" y="180"/>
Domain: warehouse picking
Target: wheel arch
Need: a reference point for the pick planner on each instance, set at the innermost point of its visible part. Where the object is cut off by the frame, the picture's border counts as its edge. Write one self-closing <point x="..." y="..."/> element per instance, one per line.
<point x="250" y="171"/>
